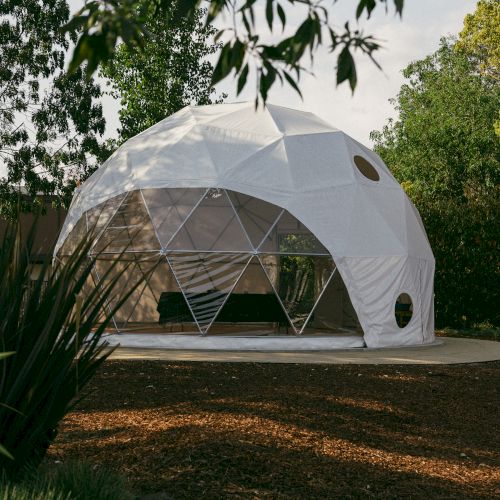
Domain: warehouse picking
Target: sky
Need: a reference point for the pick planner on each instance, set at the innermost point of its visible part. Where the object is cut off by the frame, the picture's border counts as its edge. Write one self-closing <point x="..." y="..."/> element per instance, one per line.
<point x="413" y="37"/>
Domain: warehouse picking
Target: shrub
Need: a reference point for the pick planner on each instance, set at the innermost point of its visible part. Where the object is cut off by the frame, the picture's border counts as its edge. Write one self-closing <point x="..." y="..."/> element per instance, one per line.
<point x="68" y="481"/>
<point x="49" y="324"/>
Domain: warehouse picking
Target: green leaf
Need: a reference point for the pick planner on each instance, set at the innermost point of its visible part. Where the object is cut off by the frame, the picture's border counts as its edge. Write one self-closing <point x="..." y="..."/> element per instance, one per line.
<point x="242" y="79"/>
<point x="369" y="5"/>
<point x="223" y="67"/>
<point x="237" y="55"/>
<point x="270" y="13"/>
<point x="346" y="69"/>
<point x="4" y="355"/>
<point x="75" y="23"/>
<point x="4" y="451"/>
<point x="292" y="83"/>
<point x="282" y="16"/>
<point x="399" y="4"/>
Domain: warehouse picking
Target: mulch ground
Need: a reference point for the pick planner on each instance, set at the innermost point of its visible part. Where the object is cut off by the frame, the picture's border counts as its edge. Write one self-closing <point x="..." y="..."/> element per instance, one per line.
<point x="248" y="430"/>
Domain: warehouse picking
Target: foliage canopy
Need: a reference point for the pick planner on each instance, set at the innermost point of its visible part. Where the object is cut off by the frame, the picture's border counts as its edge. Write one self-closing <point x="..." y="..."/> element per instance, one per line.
<point x="103" y="22"/>
<point x="50" y="122"/>
<point x="480" y="36"/>
<point x="444" y="151"/>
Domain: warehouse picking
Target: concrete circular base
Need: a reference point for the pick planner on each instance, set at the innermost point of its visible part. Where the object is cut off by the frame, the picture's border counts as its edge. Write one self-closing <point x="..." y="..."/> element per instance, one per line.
<point x="237" y="342"/>
<point x="444" y="351"/>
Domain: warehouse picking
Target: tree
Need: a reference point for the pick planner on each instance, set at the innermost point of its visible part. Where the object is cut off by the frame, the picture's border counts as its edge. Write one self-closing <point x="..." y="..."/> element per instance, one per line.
<point x="444" y="151"/>
<point x="480" y="36"/>
<point x="103" y="22"/>
<point x="50" y="122"/>
<point x="171" y="72"/>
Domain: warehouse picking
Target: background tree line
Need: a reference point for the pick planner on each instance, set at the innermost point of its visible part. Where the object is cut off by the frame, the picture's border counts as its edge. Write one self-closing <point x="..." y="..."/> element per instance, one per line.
<point x="444" y="148"/>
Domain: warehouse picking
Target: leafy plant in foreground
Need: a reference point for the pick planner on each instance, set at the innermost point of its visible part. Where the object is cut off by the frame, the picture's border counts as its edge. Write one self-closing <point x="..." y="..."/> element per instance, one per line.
<point x="50" y="324"/>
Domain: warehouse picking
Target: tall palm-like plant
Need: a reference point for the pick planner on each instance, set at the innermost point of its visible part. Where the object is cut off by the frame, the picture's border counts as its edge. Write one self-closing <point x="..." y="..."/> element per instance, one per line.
<point x="50" y="325"/>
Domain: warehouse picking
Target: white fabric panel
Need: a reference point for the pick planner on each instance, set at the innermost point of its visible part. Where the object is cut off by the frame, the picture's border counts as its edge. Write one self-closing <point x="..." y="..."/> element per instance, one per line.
<point x="374" y="283"/>
<point x="416" y="237"/>
<point x="330" y="159"/>
<point x="292" y="121"/>
<point x="259" y="122"/>
<point x="262" y="169"/>
<point x="296" y="161"/>
<point x="228" y="148"/>
<point x="356" y="148"/>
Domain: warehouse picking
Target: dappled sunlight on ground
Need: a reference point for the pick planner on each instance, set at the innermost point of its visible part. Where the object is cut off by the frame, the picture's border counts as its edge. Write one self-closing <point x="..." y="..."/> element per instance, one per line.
<point x="291" y="431"/>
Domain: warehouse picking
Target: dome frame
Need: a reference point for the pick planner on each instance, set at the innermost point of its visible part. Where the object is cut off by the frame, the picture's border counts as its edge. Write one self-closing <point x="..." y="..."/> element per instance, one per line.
<point x="299" y="163"/>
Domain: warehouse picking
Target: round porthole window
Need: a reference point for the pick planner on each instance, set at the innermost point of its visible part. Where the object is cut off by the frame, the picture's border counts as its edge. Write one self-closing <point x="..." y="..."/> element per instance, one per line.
<point x="366" y="168"/>
<point x="403" y="310"/>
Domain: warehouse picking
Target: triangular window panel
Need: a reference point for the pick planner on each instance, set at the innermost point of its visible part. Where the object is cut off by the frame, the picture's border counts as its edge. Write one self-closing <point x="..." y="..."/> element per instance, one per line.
<point x="256" y="215"/>
<point x="206" y="280"/>
<point x="130" y="229"/>
<point x="213" y="226"/>
<point x="169" y="208"/>
<point x="96" y="282"/>
<point x="334" y="312"/>
<point x="252" y="307"/>
<point x="74" y="238"/>
<point x="99" y="216"/>
<point x="299" y="281"/>
<point x="107" y="267"/>
<point x="164" y="301"/>
<point x="289" y="235"/>
<point x="134" y="271"/>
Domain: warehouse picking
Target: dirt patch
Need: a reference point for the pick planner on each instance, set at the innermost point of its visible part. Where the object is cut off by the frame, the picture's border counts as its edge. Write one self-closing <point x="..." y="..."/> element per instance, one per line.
<point x="249" y="430"/>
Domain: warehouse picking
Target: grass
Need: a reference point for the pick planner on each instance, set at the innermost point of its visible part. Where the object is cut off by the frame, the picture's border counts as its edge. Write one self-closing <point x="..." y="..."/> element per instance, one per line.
<point x="74" y="480"/>
<point x="482" y="331"/>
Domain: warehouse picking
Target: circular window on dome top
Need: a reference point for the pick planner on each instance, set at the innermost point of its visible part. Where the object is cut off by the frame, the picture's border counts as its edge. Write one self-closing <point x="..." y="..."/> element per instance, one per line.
<point x="403" y="310"/>
<point x="366" y="168"/>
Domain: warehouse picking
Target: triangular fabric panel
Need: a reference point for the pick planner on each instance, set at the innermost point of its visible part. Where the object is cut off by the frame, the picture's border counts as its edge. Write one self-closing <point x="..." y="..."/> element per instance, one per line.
<point x="248" y="120"/>
<point x="290" y="236"/>
<point x="256" y="215"/>
<point x="206" y="279"/>
<point x="291" y="121"/>
<point x="333" y="312"/>
<point x="228" y="148"/>
<point x="368" y="231"/>
<point x="298" y="281"/>
<point x="213" y="226"/>
<point x="329" y="151"/>
<point x="130" y="229"/>
<point x="252" y="306"/>
<point x="267" y="167"/>
<point x="169" y="208"/>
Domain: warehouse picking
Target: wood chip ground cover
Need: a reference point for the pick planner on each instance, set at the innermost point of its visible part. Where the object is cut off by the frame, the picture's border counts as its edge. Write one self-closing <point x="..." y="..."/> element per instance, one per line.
<point x="250" y="430"/>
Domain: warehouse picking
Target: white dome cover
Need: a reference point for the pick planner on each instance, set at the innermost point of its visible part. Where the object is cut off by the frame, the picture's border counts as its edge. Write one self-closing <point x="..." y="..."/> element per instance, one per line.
<point x="294" y="160"/>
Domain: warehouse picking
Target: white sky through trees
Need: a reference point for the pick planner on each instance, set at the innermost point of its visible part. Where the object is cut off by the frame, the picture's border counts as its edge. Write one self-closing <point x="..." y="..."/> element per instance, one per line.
<point x="415" y="36"/>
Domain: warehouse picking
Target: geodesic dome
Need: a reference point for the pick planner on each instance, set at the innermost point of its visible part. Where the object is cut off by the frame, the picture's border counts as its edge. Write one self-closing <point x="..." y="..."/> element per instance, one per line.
<point x="258" y="223"/>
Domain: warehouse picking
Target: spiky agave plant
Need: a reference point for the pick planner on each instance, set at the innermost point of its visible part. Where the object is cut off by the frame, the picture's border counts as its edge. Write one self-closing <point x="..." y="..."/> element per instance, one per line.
<point x="51" y="326"/>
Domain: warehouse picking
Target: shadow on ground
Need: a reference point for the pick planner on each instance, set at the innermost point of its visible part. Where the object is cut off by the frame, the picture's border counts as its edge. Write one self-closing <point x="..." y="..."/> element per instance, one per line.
<point x="292" y="431"/>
